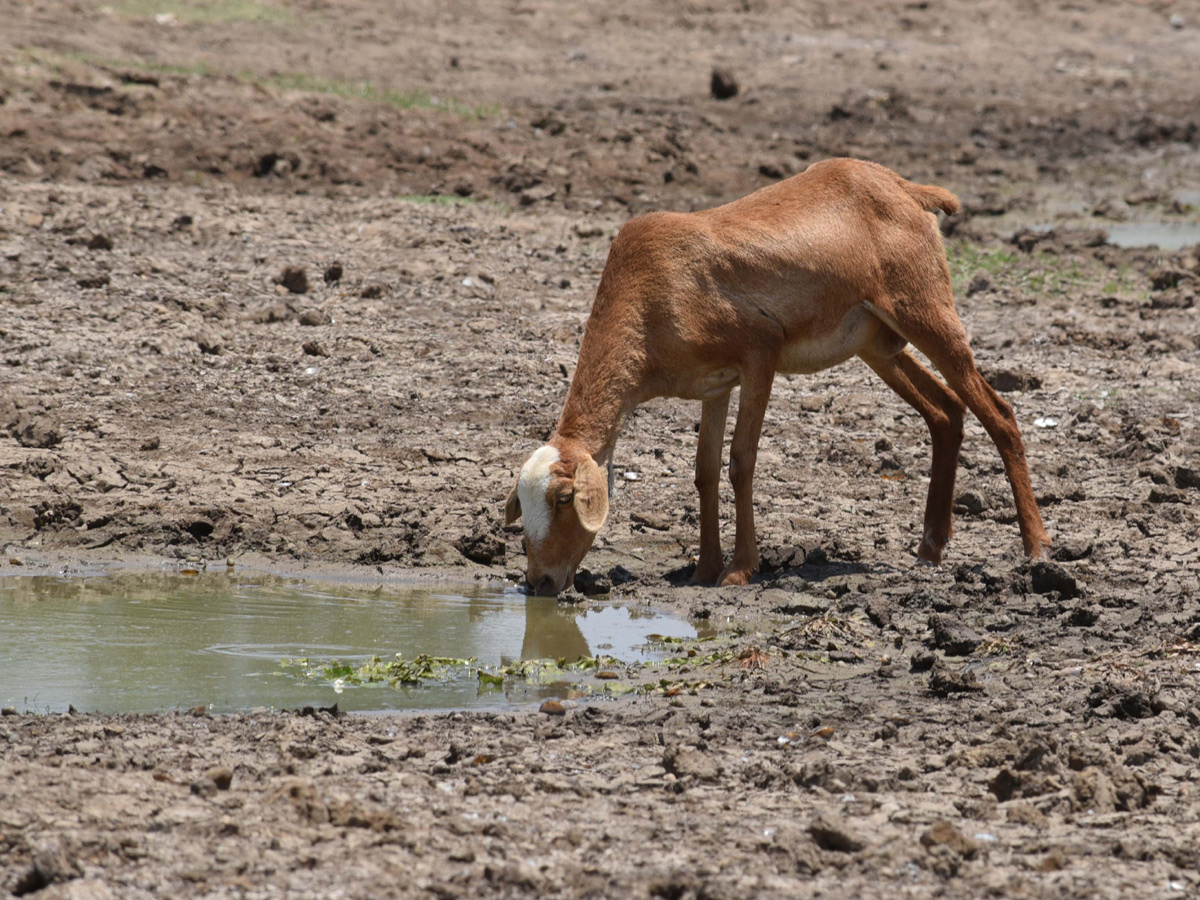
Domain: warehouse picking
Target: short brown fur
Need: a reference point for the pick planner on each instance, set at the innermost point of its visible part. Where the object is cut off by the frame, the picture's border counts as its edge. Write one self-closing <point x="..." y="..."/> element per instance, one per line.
<point x="844" y="259"/>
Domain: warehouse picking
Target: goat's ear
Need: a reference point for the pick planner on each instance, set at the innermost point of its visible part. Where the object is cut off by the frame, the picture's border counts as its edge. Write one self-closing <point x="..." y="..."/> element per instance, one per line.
<point x="512" y="507"/>
<point x="591" y="494"/>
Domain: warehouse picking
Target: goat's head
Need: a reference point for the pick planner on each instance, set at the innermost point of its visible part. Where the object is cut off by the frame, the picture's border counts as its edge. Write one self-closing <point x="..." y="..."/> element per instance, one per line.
<point x="562" y="495"/>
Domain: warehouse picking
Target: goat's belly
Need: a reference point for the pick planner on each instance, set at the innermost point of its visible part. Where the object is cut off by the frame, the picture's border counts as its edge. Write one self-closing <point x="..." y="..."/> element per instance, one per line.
<point x="814" y="353"/>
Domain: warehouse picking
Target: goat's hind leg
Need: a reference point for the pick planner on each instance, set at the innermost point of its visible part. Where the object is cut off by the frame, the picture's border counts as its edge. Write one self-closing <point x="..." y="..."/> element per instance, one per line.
<point x="942" y="411"/>
<point x="708" y="483"/>
<point x="934" y="329"/>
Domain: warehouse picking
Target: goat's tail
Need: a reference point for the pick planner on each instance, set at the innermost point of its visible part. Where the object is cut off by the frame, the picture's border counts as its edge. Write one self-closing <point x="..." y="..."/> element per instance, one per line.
<point x="931" y="197"/>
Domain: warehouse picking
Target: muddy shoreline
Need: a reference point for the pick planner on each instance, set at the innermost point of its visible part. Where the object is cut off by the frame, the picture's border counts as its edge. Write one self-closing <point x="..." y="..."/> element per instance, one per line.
<point x="299" y="285"/>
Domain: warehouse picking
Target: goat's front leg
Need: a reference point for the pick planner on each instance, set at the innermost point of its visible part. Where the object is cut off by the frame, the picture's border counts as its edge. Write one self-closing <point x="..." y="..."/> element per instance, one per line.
<point x="708" y="483"/>
<point x="752" y="406"/>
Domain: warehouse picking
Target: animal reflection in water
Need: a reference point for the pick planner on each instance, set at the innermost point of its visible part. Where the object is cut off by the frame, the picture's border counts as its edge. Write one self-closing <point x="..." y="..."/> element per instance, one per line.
<point x="552" y="631"/>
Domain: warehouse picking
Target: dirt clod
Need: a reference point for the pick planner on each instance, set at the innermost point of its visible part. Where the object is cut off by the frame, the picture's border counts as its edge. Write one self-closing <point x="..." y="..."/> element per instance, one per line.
<point x="295" y="279"/>
<point x="722" y="84"/>
<point x="945" y="834"/>
<point x="1049" y="577"/>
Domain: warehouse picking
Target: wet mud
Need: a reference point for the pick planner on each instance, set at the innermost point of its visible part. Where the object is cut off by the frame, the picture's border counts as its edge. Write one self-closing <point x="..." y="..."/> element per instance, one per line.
<point x="299" y="286"/>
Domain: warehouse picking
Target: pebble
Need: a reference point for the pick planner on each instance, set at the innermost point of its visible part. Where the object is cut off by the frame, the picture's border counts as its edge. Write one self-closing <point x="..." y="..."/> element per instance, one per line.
<point x="553" y="708"/>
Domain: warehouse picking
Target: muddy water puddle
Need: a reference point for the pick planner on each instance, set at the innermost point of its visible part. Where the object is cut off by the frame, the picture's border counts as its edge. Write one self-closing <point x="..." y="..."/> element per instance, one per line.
<point x="1163" y="235"/>
<point x="150" y="642"/>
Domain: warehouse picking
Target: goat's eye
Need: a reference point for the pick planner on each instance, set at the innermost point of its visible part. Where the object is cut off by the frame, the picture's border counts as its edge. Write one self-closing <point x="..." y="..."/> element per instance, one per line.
<point x="564" y="499"/>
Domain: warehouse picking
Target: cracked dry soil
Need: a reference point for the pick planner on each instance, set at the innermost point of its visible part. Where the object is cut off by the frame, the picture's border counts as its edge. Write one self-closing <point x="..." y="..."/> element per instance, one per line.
<point x="261" y="299"/>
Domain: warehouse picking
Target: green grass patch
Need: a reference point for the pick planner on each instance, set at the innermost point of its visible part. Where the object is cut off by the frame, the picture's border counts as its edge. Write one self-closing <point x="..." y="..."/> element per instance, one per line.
<point x="438" y="199"/>
<point x="204" y="12"/>
<point x="286" y="81"/>
<point x="1041" y="274"/>
<point x="365" y="90"/>
<point x="968" y="260"/>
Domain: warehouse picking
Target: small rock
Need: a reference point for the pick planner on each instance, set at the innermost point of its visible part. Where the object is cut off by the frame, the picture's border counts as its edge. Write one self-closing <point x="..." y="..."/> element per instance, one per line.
<point x="1072" y="549"/>
<point x="151" y="443"/>
<point x="538" y="193"/>
<point x="953" y="637"/>
<point x="723" y="85"/>
<point x="978" y="285"/>
<point x="946" y="835"/>
<point x="1164" y="495"/>
<point x="683" y="761"/>
<point x="1124" y="702"/>
<point x="481" y="547"/>
<point x="1026" y="239"/>
<point x="590" y="583"/>
<point x="182" y="222"/>
<point x="1007" y="380"/>
<point x="923" y="661"/>
<point x="314" y="348"/>
<point x="1027" y="814"/>
<point x="651" y="520"/>
<point x="210" y="343"/>
<point x="1048" y="576"/>
<point x="968" y="155"/>
<point x="553" y="708"/>
<point x="879" y="611"/>
<point x="41" y="433"/>
<point x="1084" y="616"/>
<point x="333" y="273"/>
<point x="619" y="575"/>
<point x="53" y="863"/>
<point x="94" y="282"/>
<point x="276" y="312"/>
<point x="970" y="503"/>
<point x="221" y="776"/>
<point x="371" y="292"/>
<point x="943" y="681"/>
<point x="294" y="279"/>
<point x="831" y="832"/>
<point x="204" y="787"/>
<point x="100" y="242"/>
<point x="520" y="875"/>
<point x="1187" y="478"/>
<point x="314" y="317"/>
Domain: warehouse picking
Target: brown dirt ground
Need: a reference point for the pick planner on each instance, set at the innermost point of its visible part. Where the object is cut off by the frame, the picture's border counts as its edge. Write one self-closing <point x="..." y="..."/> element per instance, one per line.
<point x="986" y="728"/>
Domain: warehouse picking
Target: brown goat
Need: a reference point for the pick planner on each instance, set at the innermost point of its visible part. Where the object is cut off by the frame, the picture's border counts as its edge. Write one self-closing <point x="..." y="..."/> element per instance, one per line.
<point x="844" y="259"/>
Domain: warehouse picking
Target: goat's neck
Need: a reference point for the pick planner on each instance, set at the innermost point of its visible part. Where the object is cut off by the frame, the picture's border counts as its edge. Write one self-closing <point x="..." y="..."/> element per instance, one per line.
<point x="604" y="391"/>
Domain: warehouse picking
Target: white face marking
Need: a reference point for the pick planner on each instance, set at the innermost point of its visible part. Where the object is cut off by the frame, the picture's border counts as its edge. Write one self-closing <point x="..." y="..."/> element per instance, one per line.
<point x="531" y="490"/>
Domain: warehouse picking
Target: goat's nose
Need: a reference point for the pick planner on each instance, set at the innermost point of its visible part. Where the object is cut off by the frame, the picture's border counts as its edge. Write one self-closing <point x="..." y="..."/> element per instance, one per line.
<point x="545" y="586"/>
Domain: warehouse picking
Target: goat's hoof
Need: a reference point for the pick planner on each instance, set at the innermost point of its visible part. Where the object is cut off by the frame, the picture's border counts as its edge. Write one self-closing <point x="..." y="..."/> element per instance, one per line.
<point x="733" y="577"/>
<point x="1039" y="550"/>
<point x="930" y="552"/>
